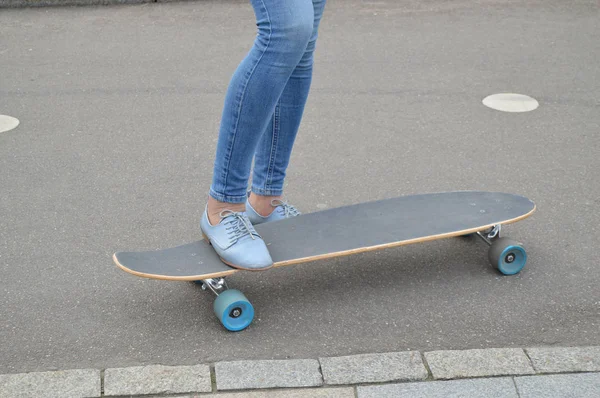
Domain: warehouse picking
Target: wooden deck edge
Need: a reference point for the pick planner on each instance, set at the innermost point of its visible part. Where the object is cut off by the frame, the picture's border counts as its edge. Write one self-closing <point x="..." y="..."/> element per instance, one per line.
<point x="187" y="278"/>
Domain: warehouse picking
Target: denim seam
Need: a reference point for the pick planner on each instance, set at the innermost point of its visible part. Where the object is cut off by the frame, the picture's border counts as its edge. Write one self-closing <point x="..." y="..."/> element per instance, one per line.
<point x="243" y="93"/>
<point x="273" y="154"/>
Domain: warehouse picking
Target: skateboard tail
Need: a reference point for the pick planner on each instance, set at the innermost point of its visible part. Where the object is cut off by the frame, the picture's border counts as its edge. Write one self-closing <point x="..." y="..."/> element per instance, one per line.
<point x="182" y="278"/>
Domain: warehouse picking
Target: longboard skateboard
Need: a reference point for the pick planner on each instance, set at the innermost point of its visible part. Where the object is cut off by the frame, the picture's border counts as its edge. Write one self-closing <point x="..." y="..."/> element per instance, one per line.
<point x="343" y="231"/>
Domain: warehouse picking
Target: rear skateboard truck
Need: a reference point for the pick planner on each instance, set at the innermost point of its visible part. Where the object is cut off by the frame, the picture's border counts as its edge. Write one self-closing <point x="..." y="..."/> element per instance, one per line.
<point x="231" y="306"/>
<point x="505" y="254"/>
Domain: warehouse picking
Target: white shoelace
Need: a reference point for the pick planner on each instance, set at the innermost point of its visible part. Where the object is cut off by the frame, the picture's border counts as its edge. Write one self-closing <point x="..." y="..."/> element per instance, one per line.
<point x="288" y="210"/>
<point x="237" y="225"/>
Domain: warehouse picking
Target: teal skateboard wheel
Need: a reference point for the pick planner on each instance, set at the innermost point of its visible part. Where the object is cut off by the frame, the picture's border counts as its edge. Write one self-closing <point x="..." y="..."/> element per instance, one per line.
<point x="508" y="256"/>
<point x="233" y="310"/>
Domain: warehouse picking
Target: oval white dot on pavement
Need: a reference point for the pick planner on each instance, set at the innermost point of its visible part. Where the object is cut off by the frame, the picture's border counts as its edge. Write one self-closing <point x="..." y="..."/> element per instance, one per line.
<point x="509" y="102"/>
<point x="8" y="123"/>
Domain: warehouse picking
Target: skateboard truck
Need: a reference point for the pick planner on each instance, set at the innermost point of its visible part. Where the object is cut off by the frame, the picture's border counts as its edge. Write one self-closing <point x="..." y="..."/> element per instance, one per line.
<point x="488" y="236"/>
<point x="215" y="285"/>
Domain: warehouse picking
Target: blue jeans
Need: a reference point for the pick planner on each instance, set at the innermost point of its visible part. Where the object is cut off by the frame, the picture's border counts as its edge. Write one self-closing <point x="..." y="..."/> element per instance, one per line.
<point x="265" y="100"/>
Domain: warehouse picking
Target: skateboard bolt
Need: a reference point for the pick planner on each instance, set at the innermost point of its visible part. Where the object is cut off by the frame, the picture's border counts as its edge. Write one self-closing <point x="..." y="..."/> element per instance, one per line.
<point x="235" y="313"/>
<point x="510" y="258"/>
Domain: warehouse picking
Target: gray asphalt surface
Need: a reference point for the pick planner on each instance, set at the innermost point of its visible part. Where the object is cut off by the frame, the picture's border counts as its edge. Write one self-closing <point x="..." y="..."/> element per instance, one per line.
<point x="119" y="110"/>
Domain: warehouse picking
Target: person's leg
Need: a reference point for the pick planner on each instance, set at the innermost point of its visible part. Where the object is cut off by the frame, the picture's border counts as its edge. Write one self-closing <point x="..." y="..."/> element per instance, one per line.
<point x="275" y="147"/>
<point x="284" y="30"/>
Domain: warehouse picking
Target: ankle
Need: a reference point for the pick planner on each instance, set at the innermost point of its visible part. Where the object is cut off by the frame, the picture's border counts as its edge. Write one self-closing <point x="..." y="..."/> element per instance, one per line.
<point x="262" y="204"/>
<point x="215" y="207"/>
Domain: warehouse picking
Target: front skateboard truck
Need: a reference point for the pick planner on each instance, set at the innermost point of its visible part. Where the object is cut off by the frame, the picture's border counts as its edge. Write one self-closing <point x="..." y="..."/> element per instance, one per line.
<point x="231" y="306"/>
<point x="506" y="255"/>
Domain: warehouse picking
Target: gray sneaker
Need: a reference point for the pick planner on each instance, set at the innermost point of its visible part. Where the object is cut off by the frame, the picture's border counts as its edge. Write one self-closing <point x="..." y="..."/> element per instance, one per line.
<point x="282" y="210"/>
<point x="236" y="241"/>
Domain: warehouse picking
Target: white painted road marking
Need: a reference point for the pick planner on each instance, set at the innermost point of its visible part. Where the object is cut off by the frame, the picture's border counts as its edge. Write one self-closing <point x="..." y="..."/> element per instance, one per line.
<point x="8" y="123"/>
<point x="509" y="102"/>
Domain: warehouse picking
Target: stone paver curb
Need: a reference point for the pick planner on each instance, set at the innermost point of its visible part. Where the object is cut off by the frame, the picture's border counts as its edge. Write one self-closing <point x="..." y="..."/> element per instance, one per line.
<point x="565" y="359"/>
<point x="49" y="3"/>
<point x="473" y="388"/>
<point x="74" y="383"/>
<point x="240" y="375"/>
<point x="156" y="379"/>
<point x="478" y="363"/>
<point x="559" y="386"/>
<point x="373" y="368"/>
<point x="332" y="392"/>
<point x="524" y="374"/>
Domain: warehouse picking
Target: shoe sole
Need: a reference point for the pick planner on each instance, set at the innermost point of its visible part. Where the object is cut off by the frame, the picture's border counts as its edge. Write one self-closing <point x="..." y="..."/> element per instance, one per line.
<point x="237" y="266"/>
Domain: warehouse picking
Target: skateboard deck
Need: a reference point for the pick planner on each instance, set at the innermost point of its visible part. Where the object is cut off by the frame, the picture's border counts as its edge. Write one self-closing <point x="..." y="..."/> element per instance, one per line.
<point x="344" y="231"/>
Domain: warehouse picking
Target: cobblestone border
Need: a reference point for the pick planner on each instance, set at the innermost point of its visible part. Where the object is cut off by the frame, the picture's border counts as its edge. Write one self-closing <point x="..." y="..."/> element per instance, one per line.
<point x="60" y="3"/>
<point x="493" y="372"/>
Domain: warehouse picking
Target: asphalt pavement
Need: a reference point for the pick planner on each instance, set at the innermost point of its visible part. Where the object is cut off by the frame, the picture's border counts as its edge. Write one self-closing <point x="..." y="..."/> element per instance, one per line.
<point x="119" y="109"/>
